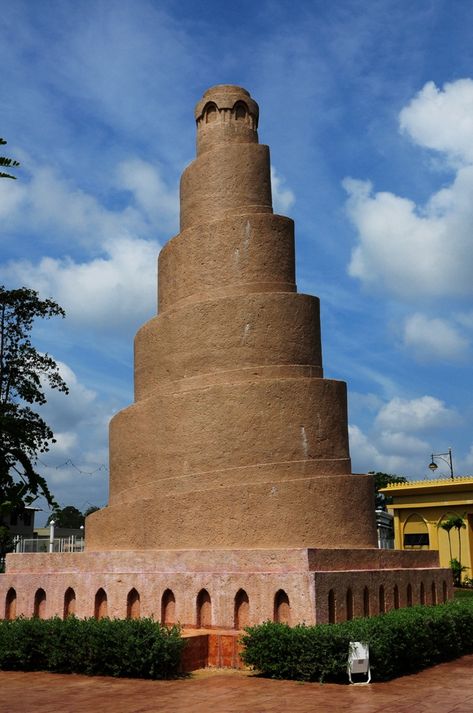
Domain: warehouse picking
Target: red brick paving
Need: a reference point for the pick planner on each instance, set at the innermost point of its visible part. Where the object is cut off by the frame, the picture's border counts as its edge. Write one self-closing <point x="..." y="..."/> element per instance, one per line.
<point x="447" y="688"/>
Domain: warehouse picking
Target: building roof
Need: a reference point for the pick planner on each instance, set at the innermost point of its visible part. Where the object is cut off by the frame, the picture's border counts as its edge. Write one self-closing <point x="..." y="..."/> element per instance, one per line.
<point x="420" y="487"/>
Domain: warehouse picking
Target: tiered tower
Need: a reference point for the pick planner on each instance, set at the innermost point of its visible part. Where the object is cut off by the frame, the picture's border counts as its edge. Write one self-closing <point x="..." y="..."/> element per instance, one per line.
<point x="231" y="494"/>
<point x="235" y="438"/>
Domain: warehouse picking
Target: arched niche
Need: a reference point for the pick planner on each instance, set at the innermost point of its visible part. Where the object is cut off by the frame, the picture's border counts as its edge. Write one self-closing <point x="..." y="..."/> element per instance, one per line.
<point x="381" y="600"/>
<point x="282" y="608"/>
<point x="366" y="601"/>
<point x="409" y="595"/>
<point x="168" y="608"/>
<point x="204" y="610"/>
<point x="69" y="603"/>
<point x="101" y="604"/>
<point x="422" y="593"/>
<point x="10" y="604"/>
<point x="444" y="591"/>
<point x="396" y="596"/>
<point x="210" y="113"/>
<point x="349" y="602"/>
<point x="240" y="111"/>
<point x="39" y="606"/>
<point x="241" y="609"/>
<point x="416" y="533"/>
<point x="433" y="593"/>
<point x="332" y="608"/>
<point x="133" y="604"/>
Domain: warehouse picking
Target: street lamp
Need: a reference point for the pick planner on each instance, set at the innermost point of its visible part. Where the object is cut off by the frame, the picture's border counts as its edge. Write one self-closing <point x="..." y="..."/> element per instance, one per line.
<point x="433" y="465"/>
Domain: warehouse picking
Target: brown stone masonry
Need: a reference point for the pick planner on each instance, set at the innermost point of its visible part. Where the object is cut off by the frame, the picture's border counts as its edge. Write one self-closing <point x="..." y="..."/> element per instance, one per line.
<point x="231" y="494"/>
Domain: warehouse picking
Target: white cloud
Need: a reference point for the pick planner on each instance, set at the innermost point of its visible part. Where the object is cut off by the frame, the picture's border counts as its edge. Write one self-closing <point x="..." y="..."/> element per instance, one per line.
<point x="79" y="421"/>
<point x="433" y="339"/>
<point x="65" y="442"/>
<point x="366" y="455"/>
<point x="404" y="415"/>
<point x="421" y="250"/>
<point x="109" y="292"/>
<point x="283" y="197"/>
<point x="58" y="210"/>
<point x="153" y="196"/>
<point x="64" y="412"/>
<point x="402" y="444"/>
<point x="412" y="252"/>
<point x="442" y="119"/>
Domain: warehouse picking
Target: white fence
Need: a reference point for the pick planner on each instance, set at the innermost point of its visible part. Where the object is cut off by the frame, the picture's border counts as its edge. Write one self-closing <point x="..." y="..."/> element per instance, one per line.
<point x="43" y="544"/>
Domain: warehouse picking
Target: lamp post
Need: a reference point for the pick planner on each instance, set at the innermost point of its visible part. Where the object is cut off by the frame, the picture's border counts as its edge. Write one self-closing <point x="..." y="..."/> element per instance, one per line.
<point x="449" y="461"/>
<point x="51" y="535"/>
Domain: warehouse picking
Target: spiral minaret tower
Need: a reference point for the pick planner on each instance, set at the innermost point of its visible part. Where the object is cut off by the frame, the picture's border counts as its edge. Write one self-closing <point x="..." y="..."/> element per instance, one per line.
<point x="235" y="438"/>
<point x="231" y="497"/>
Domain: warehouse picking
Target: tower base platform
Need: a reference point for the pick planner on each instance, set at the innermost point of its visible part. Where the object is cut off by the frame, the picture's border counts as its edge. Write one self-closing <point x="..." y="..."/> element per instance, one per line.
<point x="222" y="589"/>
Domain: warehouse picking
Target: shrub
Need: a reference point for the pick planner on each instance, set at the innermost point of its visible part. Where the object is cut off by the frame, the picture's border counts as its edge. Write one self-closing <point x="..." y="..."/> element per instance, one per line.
<point x="401" y="642"/>
<point x="137" y="648"/>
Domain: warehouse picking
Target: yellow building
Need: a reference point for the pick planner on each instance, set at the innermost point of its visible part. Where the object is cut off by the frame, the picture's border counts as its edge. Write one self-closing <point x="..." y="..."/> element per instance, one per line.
<point x="420" y="507"/>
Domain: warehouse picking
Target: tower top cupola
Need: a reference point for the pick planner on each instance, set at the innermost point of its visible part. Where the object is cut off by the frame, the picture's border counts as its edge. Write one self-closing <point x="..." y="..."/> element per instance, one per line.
<point x="226" y="114"/>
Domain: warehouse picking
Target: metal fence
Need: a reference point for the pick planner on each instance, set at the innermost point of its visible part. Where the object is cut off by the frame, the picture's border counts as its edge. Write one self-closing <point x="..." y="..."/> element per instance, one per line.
<point x="44" y="544"/>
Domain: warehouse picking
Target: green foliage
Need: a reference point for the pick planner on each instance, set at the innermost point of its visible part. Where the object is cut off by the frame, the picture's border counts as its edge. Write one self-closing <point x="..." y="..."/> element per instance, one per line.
<point x="401" y="642"/>
<point x="90" y="510"/>
<point x="68" y="516"/>
<point x="24" y="372"/>
<point x="466" y="591"/>
<point x="136" y="648"/>
<point x="382" y="480"/>
<point x="457" y="569"/>
<point x="7" y="163"/>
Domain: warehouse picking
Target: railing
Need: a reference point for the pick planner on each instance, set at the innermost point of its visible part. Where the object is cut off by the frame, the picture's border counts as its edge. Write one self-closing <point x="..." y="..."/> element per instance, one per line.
<point x="44" y="544"/>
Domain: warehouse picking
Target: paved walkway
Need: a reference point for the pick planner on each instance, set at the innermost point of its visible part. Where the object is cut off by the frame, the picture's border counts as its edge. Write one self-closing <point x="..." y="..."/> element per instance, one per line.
<point x="447" y="688"/>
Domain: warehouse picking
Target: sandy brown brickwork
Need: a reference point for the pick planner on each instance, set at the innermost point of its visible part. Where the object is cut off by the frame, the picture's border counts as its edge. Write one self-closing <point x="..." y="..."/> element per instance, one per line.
<point x="231" y="493"/>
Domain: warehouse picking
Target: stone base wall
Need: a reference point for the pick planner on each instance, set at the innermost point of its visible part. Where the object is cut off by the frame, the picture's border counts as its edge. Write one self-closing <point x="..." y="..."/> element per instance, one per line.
<point x="226" y="589"/>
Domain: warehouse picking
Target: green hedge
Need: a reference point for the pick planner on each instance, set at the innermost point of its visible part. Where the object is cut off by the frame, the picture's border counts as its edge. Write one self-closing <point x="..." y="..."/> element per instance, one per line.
<point x="401" y="642"/>
<point x="139" y="648"/>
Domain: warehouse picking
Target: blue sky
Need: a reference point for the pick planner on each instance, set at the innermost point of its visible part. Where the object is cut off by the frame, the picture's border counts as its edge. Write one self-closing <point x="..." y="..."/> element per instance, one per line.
<point x="368" y="110"/>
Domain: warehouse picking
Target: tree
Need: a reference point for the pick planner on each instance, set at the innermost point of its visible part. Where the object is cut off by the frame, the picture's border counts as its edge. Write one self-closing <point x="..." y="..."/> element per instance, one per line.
<point x="6" y="545"/>
<point x="7" y="163"/>
<point x="68" y="516"/>
<point x="90" y="510"/>
<point x="459" y="525"/>
<point x="447" y="526"/>
<point x="382" y="480"/>
<point x="24" y="373"/>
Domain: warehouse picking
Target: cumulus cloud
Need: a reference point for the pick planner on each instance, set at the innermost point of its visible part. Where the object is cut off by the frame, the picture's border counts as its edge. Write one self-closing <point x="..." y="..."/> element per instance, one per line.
<point x="367" y="456"/>
<point x="79" y="421"/>
<point x="109" y="292"/>
<point x="442" y="119"/>
<point x="59" y="210"/>
<point x="159" y="202"/>
<point x="391" y="442"/>
<point x="421" y="250"/>
<point x="403" y="444"/>
<point x="283" y="197"/>
<point x="407" y="415"/>
<point x="433" y="339"/>
<point x="65" y="412"/>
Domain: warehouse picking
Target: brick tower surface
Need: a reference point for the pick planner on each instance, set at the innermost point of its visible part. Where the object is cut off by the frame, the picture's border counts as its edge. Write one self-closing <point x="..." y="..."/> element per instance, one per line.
<point x="233" y="423"/>
<point x="231" y="494"/>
